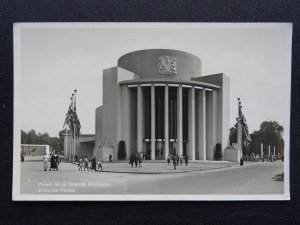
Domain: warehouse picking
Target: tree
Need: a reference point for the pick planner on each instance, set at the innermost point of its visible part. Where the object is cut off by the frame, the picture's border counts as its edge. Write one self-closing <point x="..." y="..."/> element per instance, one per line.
<point x="31" y="137"/>
<point x="233" y="135"/>
<point x="233" y="139"/>
<point x="218" y="152"/>
<point x="23" y="137"/>
<point x="43" y="139"/>
<point x="254" y="145"/>
<point x="270" y="133"/>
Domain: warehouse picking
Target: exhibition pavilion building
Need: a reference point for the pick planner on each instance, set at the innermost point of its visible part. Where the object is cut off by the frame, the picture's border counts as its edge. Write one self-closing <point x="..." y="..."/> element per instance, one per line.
<point x="156" y="101"/>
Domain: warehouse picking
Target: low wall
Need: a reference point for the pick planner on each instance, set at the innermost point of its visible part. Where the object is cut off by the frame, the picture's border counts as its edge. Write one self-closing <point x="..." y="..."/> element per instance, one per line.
<point x="106" y="152"/>
<point x="230" y="154"/>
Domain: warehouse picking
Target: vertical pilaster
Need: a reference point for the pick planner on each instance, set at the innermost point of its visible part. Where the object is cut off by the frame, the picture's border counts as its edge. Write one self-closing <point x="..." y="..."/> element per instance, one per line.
<point x="202" y="124"/>
<point x="191" y="149"/>
<point x="179" y="121"/>
<point x="166" y="121"/>
<point x="128" y="120"/>
<point x="140" y="121"/>
<point x="152" y="122"/>
<point x="211" y="124"/>
<point x="239" y="141"/>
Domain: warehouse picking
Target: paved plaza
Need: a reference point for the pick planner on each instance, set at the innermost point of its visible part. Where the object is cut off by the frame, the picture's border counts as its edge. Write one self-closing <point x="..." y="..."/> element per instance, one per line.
<point x="155" y="177"/>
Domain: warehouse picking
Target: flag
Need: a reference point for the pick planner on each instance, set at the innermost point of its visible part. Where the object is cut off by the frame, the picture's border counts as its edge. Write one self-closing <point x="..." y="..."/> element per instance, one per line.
<point x="67" y="120"/>
<point x="72" y="119"/>
<point x="75" y="124"/>
<point x="242" y="120"/>
<point x="71" y="107"/>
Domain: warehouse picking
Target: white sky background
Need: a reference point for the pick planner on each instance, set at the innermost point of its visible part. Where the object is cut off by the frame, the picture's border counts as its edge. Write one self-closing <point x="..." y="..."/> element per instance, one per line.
<point x="55" y="61"/>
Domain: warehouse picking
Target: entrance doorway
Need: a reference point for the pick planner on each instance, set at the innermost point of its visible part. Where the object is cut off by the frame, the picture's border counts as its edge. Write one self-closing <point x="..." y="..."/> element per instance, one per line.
<point x="148" y="150"/>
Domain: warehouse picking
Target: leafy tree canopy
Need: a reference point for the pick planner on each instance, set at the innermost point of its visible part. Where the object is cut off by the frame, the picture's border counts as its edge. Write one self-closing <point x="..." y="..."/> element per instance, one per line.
<point x="270" y="133"/>
<point x="43" y="139"/>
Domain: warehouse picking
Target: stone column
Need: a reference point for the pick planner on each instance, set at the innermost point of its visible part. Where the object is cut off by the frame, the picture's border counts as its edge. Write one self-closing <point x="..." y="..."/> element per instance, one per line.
<point x="191" y="149"/>
<point x="166" y="121"/>
<point x="152" y="122"/>
<point x="202" y="124"/>
<point x="211" y="124"/>
<point x="140" y="120"/>
<point x="179" y="121"/>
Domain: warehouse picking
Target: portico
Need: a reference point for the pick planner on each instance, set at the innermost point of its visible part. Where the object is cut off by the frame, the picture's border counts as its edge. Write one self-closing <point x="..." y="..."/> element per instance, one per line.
<point x="166" y="118"/>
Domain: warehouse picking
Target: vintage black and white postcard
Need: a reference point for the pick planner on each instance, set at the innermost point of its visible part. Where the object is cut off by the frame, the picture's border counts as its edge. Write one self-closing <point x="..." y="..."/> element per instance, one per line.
<point x="152" y="111"/>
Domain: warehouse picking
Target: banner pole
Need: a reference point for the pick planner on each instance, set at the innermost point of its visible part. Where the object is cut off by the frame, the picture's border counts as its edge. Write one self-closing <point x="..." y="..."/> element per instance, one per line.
<point x="75" y="124"/>
<point x="66" y="153"/>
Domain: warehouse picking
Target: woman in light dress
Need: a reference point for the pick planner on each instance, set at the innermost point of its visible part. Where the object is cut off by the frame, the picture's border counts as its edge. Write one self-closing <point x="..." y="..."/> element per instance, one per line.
<point x="86" y="163"/>
<point x="80" y="164"/>
<point x="45" y="162"/>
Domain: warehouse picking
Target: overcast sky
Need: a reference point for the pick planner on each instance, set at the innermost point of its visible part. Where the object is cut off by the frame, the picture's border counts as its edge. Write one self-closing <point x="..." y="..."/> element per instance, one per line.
<point x="57" y="58"/>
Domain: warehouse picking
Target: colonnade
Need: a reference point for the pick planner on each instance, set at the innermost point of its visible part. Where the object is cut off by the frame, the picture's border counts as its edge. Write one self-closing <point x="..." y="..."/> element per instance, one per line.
<point x="199" y="141"/>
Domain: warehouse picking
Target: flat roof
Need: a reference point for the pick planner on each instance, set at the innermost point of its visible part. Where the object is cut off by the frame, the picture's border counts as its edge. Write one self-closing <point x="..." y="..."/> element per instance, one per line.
<point x="86" y="138"/>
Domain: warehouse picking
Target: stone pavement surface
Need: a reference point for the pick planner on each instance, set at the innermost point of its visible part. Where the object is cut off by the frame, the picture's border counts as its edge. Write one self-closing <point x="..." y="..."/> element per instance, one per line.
<point x="154" y="178"/>
<point x="111" y="180"/>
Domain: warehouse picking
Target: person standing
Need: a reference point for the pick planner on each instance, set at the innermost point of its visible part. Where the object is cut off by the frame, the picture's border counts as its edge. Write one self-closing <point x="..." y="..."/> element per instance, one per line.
<point x="80" y="164"/>
<point x="241" y="162"/>
<point x="56" y="162"/>
<point x="58" y="159"/>
<point x="45" y="162"/>
<point x="175" y="161"/>
<point x="52" y="162"/>
<point x="86" y="163"/>
<point x="168" y="159"/>
<point x="181" y="160"/>
<point x="186" y="160"/>
<point x="94" y="163"/>
<point x="99" y="166"/>
<point x="110" y="157"/>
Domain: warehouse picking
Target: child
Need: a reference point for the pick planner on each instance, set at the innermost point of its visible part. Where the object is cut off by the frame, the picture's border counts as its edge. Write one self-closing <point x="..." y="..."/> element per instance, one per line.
<point x="86" y="163"/>
<point x="99" y="165"/>
<point x="80" y="164"/>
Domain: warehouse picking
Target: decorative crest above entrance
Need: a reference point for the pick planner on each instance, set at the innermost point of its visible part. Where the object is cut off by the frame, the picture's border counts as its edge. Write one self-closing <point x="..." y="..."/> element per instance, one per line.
<point x="167" y="65"/>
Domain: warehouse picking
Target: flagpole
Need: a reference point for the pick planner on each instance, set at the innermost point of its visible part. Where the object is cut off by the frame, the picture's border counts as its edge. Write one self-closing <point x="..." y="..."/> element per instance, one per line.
<point x="66" y="154"/>
<point x="75" y="91"/>
<point x="239" y="133"/>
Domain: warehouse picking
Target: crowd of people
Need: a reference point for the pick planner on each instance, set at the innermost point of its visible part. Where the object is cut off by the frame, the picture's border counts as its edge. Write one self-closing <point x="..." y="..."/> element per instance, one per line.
<point x="136" y="158"/>
<point x="84" y="164"/>
<point x="55" y="160"/>
<point x="177" y="160"/>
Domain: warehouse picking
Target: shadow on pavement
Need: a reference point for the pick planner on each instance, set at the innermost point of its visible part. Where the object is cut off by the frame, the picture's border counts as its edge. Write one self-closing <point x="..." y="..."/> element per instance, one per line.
<point x="279" y="177"/>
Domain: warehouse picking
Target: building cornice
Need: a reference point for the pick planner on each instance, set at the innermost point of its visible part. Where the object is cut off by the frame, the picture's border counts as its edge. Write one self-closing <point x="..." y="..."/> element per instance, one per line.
<point x="168" y="81"/>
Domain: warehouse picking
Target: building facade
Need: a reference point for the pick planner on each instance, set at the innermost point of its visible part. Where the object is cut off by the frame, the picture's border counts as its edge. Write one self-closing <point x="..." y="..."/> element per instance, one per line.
<point x="156" y="101"/>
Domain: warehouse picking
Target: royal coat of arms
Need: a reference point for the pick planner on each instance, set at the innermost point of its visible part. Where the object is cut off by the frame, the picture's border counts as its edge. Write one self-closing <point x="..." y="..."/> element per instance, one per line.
<point x="167" y="65"/>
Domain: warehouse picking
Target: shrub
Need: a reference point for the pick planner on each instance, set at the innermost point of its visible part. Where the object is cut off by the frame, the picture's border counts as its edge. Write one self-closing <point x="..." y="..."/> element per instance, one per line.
<point x="218" y="152"/>
<point x="121" y="150"/>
